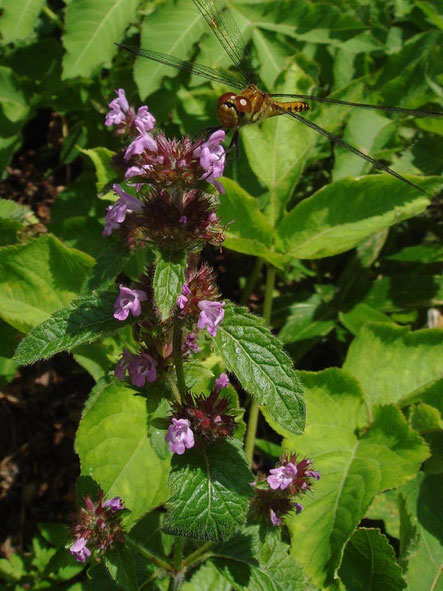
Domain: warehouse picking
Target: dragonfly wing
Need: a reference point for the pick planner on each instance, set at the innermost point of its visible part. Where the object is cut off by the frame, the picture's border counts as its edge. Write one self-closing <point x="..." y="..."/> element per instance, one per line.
<point x="414" y="112"/>
<point x="191" y="67"/>
<point x="355" y="151"/>
<point x="216" y="13"/>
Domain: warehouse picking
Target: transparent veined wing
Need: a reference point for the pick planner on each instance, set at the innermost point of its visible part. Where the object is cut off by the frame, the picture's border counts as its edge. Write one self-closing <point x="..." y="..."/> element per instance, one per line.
<point x="219" y="18"/>
<point x="191" y="67"/>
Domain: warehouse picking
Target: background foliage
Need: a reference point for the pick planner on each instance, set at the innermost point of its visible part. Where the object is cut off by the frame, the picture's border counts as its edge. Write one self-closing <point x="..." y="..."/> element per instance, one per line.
<point x="358" y="263"/>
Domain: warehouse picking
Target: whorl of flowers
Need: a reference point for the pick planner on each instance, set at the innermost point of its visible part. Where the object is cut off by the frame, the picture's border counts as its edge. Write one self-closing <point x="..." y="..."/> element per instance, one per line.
<point x="96" y="527"/>
<point x="278" y="493"/>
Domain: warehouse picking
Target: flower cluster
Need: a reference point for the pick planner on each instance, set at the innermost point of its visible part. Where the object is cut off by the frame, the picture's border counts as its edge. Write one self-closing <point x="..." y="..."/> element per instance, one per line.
<point x="168" y="178"/>
<point x="202" y="419"/>
<point x="141" y="368"/>
<point x="275" y="495"/>
<point x="97" y="527"/>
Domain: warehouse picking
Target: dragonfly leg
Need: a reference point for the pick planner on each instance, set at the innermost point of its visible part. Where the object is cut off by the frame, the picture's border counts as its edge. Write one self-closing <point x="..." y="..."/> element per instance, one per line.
<point x="233" y="150"/>
<point x="205" y="132"/>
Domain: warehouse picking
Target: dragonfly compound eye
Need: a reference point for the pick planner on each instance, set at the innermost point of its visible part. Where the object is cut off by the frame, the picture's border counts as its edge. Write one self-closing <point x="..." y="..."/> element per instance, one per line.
<point x="227" y="111"/>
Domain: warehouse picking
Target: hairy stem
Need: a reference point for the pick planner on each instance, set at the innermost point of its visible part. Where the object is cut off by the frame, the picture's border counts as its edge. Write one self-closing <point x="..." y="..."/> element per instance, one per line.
<point x="252" y="280"/>
<point x="178" y="359"/>
<point x="176" y="580"/>
<point x="254" y="411"/>
<point x="148" y="555"/>
<point x="196" y="556"/>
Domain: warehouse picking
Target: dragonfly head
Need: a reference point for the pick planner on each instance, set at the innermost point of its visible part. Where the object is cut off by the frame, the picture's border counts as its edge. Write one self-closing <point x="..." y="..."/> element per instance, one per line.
<point x="233" y="110"/>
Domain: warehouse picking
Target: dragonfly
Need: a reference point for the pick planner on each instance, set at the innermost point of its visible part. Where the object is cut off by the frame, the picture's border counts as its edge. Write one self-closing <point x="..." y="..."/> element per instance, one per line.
<point x="251" y="104"/>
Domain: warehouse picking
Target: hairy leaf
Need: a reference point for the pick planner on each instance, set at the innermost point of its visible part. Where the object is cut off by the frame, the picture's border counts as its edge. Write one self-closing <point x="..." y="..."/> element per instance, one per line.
<point x="169" y="278"/>
<point x="264" y="370"/>
<point x="120" y="564"/>
<point x="210" y="491"/>
<point x="85" y="320"/>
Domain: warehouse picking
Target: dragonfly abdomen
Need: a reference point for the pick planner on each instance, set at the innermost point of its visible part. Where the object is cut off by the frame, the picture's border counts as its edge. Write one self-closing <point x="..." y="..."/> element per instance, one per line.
<point x="291" y="107"/>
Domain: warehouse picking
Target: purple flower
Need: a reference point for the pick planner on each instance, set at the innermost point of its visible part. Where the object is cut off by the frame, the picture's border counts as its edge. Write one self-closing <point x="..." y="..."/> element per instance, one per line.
<point x="276" y="521"/>
<point x="282" y="477"/>
<point x="142" y="142"/>
<point x="211" y="315"/>
<point x="144" y="119"/>
<point x="119" y="108"/>
<point x="212" y="158"/>
<point x="123" y="364"/>
<point x="313" y="474"/>
<point x="129" y="300"/>
<point x="180" y="436"/>
<point x="80" y="550"/>
<point x="143" y="369"/>
<point x="182" y="299"/>
<point x="115" y="504"/>
<point x="221" y="382"/>
<point x="136" y="171"/>
<point x="298" y="508"/>
<point x="190" y="344"/>
<point x="125" y="204"/>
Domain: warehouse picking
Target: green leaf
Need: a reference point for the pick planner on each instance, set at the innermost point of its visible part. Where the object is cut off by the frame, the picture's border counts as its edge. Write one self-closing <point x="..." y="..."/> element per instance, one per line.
<point x="173" y="28"/>
<point x="102" y="160"/>
<point x="86" y="320"/>
<point x="392" y="362"/>
<point x="385" y="507"/>
<point x="169" y="278"/>
<point x="421" y="540"/>
<point x="208" y="578"/>
<point x="307" y="319"/>
<point x="114" y="449"/>
<point x="342" y="214"/>
<point x="369" y="563"/>
<point x="249" y="565"/>
<point x="120" y="564"/>
<point x="38" y="278"/>
<point x="92" y="28"/>
<point x="19" y="18"/>
<point x="210" y="491"/>
<point x="264" y="370"/>
<point x="360" y="315"/>
<point x="422" y="253"/>
<point x="353" y="468"/>
<point x="11" y="210"/>
<point x="397" y="292"/>
<point x="247" y="229"/>
<point x="13" y="101"/>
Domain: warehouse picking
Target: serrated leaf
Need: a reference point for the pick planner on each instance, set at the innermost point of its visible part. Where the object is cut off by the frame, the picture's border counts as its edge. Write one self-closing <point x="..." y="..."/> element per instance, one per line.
<point x="421" y="527"/>
<point x="92" y="28"/>
<point x="210" y="492"/>
<point x="385" y="507"/>
<point x="19" y="18"/>
<point x="86" y="320"/>
<point x="38" y="278"/>
<point x="264" y="370"/>
<point x="249" y="565"/>
<point x="353" y="468"/>
<point x="120" y="564"/>
<point x="369" y="563"/>
<point x="247" y="229"/>
<point x="114" y="449"/>
<point x="169" y="277"/>
<point x="392" y="362"/>
<point x="11" y="210"/>
<point x="173" y="28"/>
<point x="342" y="214"/>
<point x="208" y="578"/>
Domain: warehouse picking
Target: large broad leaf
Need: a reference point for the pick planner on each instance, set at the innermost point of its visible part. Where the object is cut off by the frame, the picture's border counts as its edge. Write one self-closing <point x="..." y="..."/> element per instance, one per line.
<point x="421" y="529"/>
<point x="208" y="578"/>
<point x="92" y="29"/>
<point x="369" y="563"/>
<point x="397" y="292"/>
<point x="264" y="370"/>
<point x="19" y="18"/>
<point x="247" y="229"/>
<point x="353" y="469"/>
<point x="250" y="565"/>
<point x="86" y="320"/>
<point x="38" y="278"/>
<point x="173" y="28"/>
<point x="342" y="214"/>
<point x="114" y="448"/>
<point x="391" y="363"/>
<point x="210" y="492"/>
<point x="102" y="160"/>
<point x="169" y="277"/>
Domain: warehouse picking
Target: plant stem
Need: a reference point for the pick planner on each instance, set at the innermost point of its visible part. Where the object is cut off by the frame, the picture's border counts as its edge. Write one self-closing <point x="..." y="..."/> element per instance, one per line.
<point x="178" y="359"/>
<point x="176" y="581"/>
<point x="148" y="555"/>
<point x="254" y="411"/>
<point x="252" y="280"/>
<point x="196" y="556"/>
<point x="53" y="17"/>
